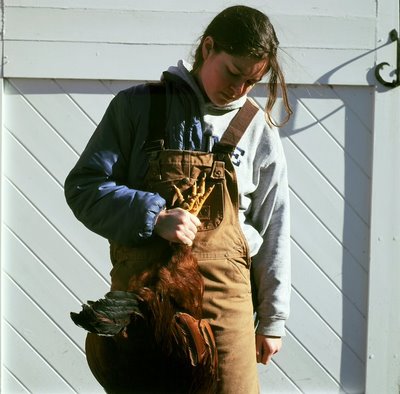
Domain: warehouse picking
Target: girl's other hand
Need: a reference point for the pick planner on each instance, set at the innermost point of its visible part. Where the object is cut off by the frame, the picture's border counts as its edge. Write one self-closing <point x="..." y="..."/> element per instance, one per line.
<point x="266" y="347"/>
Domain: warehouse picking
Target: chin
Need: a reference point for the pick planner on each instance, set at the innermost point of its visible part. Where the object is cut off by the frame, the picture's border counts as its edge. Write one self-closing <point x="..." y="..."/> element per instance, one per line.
<point x="222" y="101"/>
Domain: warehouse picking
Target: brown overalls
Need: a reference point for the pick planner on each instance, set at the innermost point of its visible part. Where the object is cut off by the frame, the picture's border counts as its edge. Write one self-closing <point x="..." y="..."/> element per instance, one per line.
<point x="220" y="248"/>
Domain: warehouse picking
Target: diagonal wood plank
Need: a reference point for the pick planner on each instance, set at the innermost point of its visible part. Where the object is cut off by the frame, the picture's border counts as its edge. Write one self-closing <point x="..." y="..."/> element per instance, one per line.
<point x="11" y="384"/>
<point x="327" y="204"/>
<point x="328" y="254"/>
<point x="54" y="250"/>
<point x="304" y="370"/>
<point x="56" y="108"/>
<point x="47" y="342"/>
<point x="31" y="370"/>
<point x="324" y="349"/>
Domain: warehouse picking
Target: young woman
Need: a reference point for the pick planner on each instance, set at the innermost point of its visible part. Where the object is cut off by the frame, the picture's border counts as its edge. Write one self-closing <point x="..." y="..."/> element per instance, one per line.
<point x="247" y="220"/>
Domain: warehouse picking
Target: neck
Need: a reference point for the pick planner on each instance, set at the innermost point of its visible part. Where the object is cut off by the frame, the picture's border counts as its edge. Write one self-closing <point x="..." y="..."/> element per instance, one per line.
<point x="197" y="79"/>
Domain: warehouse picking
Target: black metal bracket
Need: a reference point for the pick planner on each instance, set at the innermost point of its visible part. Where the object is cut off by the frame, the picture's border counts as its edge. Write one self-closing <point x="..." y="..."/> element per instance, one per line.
<point x="394" y="36"/>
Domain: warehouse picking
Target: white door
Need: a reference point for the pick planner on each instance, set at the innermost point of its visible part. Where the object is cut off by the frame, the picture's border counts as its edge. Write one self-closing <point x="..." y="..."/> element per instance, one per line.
<point x="58" y="82"/>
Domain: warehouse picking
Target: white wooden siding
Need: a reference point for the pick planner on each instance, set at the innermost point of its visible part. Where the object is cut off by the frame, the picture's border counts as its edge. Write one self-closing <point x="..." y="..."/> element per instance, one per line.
<point x="330" y="227"/>
<point x="63" y="62"/>
<point x="52" y="263"/>
<point x="86" y="39"/>
<point x="383" y="348"/>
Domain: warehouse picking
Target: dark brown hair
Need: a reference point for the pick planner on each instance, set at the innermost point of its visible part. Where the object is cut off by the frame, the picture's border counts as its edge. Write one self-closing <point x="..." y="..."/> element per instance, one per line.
<point x="245" y="31"/>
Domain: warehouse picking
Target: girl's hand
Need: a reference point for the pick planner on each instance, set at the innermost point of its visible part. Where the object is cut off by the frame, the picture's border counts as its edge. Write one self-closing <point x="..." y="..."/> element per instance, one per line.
<point x="266" y="347"/>
<point x="177" y="225"/>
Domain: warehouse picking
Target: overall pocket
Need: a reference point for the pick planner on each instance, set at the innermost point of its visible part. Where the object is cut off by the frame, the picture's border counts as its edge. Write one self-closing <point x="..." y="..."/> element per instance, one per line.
<point x="162" y="177"/>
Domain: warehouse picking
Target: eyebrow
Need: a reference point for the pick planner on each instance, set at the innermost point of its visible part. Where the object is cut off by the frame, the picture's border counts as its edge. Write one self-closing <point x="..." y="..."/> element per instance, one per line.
<point x="255" y="80"/>
<point x="241" y="73"/>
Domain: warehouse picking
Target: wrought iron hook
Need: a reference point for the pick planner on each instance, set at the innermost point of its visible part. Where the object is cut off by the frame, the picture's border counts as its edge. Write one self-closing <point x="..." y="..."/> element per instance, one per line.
<point x="394" y="36"/>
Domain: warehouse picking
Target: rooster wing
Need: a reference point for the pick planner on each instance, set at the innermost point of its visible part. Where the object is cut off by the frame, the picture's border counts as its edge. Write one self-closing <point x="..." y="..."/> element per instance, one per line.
<point x="110" y="315"/>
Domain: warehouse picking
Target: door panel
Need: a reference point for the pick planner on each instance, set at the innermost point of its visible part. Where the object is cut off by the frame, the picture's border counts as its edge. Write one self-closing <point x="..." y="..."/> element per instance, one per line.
<point x="52" y="263"/>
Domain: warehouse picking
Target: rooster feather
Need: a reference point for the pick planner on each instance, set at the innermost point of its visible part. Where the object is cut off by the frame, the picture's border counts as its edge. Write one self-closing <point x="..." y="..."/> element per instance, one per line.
<point x="109" y="316"/>
<point x="156" y="326"/>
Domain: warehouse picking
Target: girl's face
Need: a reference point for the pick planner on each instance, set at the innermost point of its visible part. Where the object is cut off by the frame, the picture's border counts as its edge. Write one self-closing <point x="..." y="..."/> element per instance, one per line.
<point x="225" y="78"/>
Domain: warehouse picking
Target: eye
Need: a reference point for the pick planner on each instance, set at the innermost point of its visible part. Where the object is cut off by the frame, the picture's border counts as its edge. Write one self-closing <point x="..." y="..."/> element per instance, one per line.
<point x="233" y="74"/>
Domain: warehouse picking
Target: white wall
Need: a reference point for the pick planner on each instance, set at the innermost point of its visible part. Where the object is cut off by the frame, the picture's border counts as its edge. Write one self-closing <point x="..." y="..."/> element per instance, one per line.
<point x="65" y="60"/>
<point x="327" y="43"/>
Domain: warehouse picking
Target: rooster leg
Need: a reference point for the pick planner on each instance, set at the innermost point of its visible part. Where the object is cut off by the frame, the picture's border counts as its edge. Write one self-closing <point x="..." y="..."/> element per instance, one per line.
<point x="181" y="200"/>
<point x="202" y="185"/>
<point x="197" y="198"/>
<point x="200" y="200"/>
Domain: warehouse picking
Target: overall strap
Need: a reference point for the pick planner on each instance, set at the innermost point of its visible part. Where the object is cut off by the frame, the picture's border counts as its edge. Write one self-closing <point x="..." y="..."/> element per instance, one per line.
<point x="157" y="122"/>
<point x="237" y="127"/>
<point x="157" y="117"/>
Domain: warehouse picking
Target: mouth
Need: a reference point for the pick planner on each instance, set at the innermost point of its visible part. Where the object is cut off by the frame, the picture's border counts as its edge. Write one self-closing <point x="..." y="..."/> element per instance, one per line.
<point x="228" y="97"/>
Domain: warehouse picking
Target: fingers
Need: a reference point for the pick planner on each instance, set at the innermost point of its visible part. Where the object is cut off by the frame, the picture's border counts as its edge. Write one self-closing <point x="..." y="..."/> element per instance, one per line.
<point x="186" y="228"/>
<point x="264" y="357"/>
<point x="266" y="347"/>
<point x="177" y="225"/>
<point x="195" y="220"/>
<point x="190" y="223"/>
<point x="259" y="348"/>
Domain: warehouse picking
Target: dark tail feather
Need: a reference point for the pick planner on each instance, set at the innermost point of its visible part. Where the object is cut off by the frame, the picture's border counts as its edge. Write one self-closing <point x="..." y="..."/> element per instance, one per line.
<point x="110" y="315"/>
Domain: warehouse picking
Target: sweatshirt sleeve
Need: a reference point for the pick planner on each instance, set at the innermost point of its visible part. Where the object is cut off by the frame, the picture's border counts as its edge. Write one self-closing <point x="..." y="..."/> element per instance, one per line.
<point x="270" y="213"/>
<point x="96" y="188"/>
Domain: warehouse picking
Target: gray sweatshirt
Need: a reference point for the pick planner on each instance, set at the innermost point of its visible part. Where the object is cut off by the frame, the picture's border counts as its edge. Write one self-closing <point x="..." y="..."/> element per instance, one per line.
<point x="264" y="213"/>
<point x="104" y="188"/>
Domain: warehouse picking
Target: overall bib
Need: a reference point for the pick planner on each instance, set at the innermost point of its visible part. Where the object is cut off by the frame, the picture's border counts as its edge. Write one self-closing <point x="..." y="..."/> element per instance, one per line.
<point x="220" y="248"/>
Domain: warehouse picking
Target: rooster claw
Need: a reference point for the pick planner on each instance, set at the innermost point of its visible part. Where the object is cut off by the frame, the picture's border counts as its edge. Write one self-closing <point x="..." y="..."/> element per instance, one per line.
<point x="196" y="199"/>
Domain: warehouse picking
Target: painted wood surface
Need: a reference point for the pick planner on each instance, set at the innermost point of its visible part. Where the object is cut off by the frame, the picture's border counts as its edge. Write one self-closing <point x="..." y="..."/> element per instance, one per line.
<point x="383" y="348"/>
<point x="289" y="7"/>
<point x="330" y="43"/>
<point x="52" y="263"/>
<point x="66" y="59"/>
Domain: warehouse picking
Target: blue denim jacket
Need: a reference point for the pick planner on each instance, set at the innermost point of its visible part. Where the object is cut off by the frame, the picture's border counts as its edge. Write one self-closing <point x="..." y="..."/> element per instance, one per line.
<point x="104" y="188"/>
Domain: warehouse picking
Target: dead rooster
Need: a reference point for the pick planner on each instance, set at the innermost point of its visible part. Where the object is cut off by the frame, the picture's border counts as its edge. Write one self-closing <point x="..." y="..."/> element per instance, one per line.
<point x="155" y="339"/>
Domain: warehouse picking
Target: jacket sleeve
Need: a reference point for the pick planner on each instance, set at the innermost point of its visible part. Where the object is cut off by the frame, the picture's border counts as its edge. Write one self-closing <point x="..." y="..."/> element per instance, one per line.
<point x="96" y="188"/>
<point x="271" y="265"/>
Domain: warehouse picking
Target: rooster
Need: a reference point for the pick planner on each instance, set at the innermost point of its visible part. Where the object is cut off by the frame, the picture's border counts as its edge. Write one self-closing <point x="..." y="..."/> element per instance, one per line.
<point x="153" y="339"/>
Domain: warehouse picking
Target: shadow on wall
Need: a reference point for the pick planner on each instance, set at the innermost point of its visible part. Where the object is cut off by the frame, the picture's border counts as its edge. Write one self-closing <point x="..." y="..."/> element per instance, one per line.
<point x="328" y="145"/>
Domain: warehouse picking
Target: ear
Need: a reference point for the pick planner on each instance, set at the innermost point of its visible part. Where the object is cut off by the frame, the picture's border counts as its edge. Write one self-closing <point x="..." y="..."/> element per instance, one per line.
<point x="207" y="47"/>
